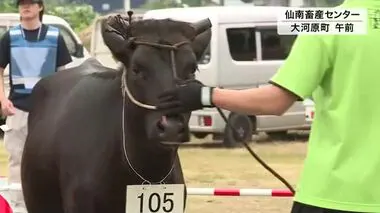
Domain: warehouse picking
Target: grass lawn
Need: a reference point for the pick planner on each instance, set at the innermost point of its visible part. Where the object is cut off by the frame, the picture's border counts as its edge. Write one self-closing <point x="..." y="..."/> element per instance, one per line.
<point x="3" y="159"/>
<point x="213" y="166"/>
<point x="218" y="167"/>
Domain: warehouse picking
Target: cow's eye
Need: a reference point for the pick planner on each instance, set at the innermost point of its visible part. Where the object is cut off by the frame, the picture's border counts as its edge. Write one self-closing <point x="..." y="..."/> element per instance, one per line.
<point x="138" y="72"/>
<point x="191" y="76"/>
<point x="192" y="68"/>
<point x="135" y="70"/>
<point x="195" y="68"/>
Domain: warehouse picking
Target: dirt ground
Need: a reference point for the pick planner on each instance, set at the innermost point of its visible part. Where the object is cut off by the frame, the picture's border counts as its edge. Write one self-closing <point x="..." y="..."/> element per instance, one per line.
<point x="220" y="167"/>
<point x="207" y="164"/>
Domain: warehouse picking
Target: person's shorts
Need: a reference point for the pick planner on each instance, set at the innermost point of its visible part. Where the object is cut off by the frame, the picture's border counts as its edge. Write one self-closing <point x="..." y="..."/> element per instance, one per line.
<point x="304" y="208"/>
<point x="4" y="206"/>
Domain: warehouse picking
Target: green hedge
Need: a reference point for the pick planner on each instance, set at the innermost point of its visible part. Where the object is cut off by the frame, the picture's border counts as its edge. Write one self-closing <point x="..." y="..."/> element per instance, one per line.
<point x="7" y="6"/>
<point x="79" y="16"/>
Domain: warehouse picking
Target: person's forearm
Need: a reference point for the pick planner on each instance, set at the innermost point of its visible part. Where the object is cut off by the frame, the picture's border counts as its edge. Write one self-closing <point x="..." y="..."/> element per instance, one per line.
<point x="267" y="100"/>
<point x="2" y="92"/>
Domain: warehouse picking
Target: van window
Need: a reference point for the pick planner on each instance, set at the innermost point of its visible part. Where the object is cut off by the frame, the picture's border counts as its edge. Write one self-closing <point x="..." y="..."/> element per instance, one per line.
<point x="274" y="46"/>
<point x="242" y="43"/>
<point x="69" y="39"/>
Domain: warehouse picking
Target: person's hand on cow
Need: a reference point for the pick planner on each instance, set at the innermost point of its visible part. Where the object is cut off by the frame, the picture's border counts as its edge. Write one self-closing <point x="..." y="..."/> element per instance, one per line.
<point x="7" y="108"/>
<point x="192" y="95"/>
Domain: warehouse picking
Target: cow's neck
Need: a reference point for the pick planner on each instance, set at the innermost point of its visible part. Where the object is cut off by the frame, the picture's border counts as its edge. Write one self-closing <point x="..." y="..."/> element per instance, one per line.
<point x="151" y="161"/>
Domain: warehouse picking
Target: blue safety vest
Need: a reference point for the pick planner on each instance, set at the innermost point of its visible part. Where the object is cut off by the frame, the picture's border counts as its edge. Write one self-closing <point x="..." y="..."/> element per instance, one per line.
<point x="31" y="61"/>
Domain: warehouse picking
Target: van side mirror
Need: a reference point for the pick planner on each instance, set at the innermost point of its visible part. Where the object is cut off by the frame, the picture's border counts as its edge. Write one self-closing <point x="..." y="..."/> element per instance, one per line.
<point x="79" y="53"/>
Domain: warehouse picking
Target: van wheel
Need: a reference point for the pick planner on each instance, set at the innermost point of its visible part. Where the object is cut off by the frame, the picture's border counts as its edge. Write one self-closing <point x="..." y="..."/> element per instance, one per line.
<point x="243" y="124"/>
<point x="200" y="135"/>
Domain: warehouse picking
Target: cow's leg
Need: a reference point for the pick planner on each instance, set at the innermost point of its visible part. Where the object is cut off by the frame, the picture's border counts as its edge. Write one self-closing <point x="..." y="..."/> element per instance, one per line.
<point x="40" y="185"/>
<point x="41" y="194"/>
<point x="94" y="197"/>
<point x="177" y="178"/>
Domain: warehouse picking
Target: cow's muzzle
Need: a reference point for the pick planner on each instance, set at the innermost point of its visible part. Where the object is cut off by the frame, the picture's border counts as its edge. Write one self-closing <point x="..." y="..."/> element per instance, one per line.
<point x="172" y="130"/>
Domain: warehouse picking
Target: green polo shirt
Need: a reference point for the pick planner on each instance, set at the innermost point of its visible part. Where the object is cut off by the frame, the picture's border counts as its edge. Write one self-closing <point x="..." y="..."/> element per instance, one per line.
<point x="342" y="75"/>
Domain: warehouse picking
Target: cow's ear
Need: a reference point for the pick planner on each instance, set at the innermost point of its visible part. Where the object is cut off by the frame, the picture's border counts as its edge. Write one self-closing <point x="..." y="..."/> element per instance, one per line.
<point x="200" y="43"/>
<point x="112" y="31"/>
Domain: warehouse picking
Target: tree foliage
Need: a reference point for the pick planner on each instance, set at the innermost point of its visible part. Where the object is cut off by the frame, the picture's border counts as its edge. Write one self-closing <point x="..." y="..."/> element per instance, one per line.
<point x="160" y="4"/>
<point x="322" y="3"/>
<point x="8" y="6"/>
<point x="79" y="16"/>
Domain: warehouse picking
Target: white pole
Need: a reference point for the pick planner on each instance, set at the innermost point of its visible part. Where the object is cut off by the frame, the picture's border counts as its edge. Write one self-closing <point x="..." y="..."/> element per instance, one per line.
<point x="127" y="5"/>
<point x="239" y="192"/>
<point x="202" y="191"/>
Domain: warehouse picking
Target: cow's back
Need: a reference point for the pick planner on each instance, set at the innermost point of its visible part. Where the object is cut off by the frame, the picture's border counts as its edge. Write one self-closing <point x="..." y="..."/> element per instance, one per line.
<point x="73" y="128"/>
<point x="50" y="95"/>
<point x="55" y="101"/>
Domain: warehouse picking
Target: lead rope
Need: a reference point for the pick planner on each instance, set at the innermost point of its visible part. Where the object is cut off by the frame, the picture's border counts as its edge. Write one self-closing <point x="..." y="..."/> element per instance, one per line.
<point x="125" y="88"/>
<point x="151" y="107"/>
<point x="279" y="177"/>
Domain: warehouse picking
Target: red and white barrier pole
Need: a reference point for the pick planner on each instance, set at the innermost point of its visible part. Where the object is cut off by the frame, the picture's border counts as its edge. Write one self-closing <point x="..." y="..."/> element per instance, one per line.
<point x="239" y="192"/>
<point x="206" y="191"/>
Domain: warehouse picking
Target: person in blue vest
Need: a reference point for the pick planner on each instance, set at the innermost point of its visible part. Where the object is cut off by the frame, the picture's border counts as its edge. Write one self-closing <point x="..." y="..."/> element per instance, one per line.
<point x="32" y="50"/>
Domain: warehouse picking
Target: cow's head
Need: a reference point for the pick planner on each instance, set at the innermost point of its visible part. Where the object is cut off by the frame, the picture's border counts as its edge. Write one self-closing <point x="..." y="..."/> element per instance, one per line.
<point x="145" y="48"/>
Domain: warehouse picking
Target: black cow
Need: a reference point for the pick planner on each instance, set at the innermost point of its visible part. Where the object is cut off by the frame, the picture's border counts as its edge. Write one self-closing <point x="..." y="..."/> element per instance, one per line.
<point x="74" y="159"/>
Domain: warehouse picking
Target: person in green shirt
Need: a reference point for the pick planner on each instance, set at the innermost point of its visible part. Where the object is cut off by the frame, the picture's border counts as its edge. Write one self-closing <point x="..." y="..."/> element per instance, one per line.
<point x="341" y="73"/>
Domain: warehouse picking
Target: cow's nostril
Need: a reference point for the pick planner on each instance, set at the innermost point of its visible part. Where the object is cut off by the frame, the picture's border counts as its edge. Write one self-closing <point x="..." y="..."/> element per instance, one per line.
<point x="180" y="122"/>
<point x="160" y="126"/>
<point x="171" y="124"/>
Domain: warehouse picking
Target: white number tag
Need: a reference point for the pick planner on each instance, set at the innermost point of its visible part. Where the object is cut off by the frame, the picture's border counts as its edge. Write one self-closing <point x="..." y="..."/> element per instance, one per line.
<point x="155" y="198"/>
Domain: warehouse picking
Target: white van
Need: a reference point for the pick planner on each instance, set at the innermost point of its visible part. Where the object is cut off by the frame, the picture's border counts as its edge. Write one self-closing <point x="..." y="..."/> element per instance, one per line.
<point x="73" y="42"/>
<point x="245" y="51"/>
